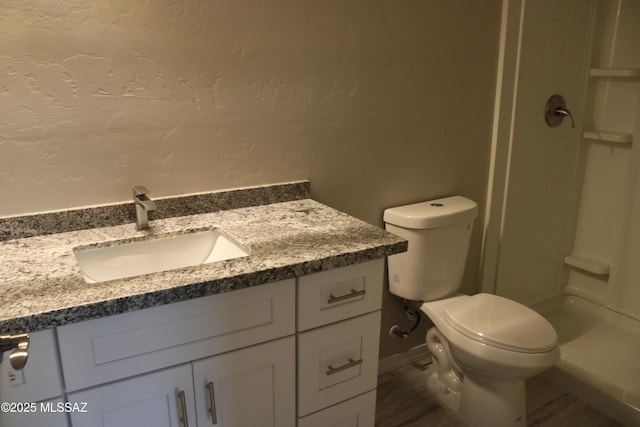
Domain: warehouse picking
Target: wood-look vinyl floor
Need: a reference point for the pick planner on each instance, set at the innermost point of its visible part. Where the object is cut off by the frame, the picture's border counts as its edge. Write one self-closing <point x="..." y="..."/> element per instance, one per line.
<point x="404" y="401"/>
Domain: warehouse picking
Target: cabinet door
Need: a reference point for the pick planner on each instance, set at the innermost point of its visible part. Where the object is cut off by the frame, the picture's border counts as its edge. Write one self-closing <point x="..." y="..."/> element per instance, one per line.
<point x="153" y="400"/>
<point x="254" y="386"/>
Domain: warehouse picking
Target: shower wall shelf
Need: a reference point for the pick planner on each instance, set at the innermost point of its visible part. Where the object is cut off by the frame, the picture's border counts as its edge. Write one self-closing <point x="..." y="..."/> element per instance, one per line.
<point x="620" y="73"/>
<point x="608" y="136"/>
<point x="589" y="264"/>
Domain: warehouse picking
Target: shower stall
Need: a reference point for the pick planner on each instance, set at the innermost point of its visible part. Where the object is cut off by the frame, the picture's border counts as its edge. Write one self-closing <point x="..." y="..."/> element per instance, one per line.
<point x="563" y="216"/>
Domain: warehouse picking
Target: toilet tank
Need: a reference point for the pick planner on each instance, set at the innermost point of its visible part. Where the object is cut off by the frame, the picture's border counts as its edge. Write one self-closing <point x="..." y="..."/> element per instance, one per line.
<point x="438" y="232"/>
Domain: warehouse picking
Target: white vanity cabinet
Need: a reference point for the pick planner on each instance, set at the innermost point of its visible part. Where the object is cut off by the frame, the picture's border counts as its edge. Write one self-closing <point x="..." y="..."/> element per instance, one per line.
<point x="338" y="340"/>
<point x="38" y="385"/>
<point x="253" y="386"/>
<point x="296" y="352"/>
<point x="149" y="367"/>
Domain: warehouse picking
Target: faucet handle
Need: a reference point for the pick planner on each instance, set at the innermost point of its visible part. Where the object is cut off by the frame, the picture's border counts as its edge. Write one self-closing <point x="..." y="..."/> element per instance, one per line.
<point x="140" y="190"/>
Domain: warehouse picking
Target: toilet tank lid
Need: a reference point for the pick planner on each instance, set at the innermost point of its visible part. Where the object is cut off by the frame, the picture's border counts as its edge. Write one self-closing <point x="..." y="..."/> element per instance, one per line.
<point x="433" y="213"/>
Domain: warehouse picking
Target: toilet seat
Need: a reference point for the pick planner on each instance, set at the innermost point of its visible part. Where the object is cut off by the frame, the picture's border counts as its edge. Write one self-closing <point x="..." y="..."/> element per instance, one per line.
<point x="499" y="322"/>
<point x="505" y="356"/>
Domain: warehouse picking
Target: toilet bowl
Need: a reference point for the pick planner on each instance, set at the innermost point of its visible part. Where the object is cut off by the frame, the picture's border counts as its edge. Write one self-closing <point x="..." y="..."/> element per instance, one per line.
<point x="495" y="345"/>
<point x="484" y="346"/>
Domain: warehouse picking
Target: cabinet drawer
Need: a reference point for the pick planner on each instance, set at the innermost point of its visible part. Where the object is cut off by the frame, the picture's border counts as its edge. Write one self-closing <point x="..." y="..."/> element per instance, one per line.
<point x="40" y="378"/>
<point x="357" y="412"/>
<point x="337" y="362"/>
<point x="111" y="348"/>
<point x="339" y="294"/>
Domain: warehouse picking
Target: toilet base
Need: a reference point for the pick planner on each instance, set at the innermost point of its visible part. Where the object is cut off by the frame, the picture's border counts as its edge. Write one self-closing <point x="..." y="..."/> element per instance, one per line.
<point x="487" y="402"/>
<point x="447" y="398"/>
<point x="483" y="401"/>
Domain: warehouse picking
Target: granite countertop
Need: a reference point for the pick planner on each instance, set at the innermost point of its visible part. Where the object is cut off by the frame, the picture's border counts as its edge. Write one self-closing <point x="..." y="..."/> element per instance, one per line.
<point x="43" y="287"/>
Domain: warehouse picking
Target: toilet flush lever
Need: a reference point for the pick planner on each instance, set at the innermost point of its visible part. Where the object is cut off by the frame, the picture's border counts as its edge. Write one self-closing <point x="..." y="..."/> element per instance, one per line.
<point x="556" y="110"/>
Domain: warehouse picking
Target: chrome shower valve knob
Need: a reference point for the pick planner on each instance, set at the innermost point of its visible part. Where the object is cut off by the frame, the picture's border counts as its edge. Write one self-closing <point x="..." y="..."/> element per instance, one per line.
<point x="556" y="110"/>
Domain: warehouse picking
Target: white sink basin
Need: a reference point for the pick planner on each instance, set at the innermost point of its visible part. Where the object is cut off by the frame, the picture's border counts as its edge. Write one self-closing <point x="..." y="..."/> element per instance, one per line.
<point x="129" y="258"/>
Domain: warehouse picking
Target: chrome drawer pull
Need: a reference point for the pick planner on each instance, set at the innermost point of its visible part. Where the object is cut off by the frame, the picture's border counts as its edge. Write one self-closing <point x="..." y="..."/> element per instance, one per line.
<point x="351" y="364"/>
<point x="332" y="299"/>
<point x="212" y="403"/>
<point x="182" y="408"/>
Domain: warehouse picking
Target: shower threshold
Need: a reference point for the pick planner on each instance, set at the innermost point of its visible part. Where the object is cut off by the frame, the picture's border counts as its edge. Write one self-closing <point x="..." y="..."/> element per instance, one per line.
<point x="600" y="352"/>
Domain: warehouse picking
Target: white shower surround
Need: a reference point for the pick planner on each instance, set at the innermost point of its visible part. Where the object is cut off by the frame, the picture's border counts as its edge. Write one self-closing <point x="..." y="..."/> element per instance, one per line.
<point x="557" y="192"/>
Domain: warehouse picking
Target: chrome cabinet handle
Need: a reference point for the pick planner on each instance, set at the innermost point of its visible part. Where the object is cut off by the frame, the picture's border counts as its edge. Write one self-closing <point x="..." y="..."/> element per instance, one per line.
<point x="212" y="402"/>
<point x="181" y="401"/>
<point x="556" y="110"/>
<point x="333" y="299"/>
<point x="347" y="365"/>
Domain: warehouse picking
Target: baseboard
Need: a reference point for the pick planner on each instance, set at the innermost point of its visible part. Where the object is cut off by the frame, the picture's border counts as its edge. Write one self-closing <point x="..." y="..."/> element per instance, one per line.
<point x="418" y="353"/>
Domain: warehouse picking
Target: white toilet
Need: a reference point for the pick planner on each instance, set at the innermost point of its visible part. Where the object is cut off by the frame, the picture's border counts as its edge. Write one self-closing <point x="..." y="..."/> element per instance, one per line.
<point x="483" y="346"/>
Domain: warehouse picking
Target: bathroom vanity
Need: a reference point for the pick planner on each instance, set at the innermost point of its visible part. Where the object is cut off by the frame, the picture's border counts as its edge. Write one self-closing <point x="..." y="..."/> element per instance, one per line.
<point x="287" y="335"/>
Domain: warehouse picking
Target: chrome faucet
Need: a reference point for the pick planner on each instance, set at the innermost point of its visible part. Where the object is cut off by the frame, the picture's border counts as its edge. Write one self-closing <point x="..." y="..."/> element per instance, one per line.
<point x="143" y="205"/>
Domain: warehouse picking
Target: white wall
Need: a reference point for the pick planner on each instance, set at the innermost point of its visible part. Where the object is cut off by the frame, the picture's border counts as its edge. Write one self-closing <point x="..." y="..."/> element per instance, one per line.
<point x="377" y="102"/>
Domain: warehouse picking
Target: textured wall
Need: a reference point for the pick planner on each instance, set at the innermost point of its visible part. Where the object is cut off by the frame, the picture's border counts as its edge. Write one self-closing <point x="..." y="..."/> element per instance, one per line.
<point x="378" y="102"/>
